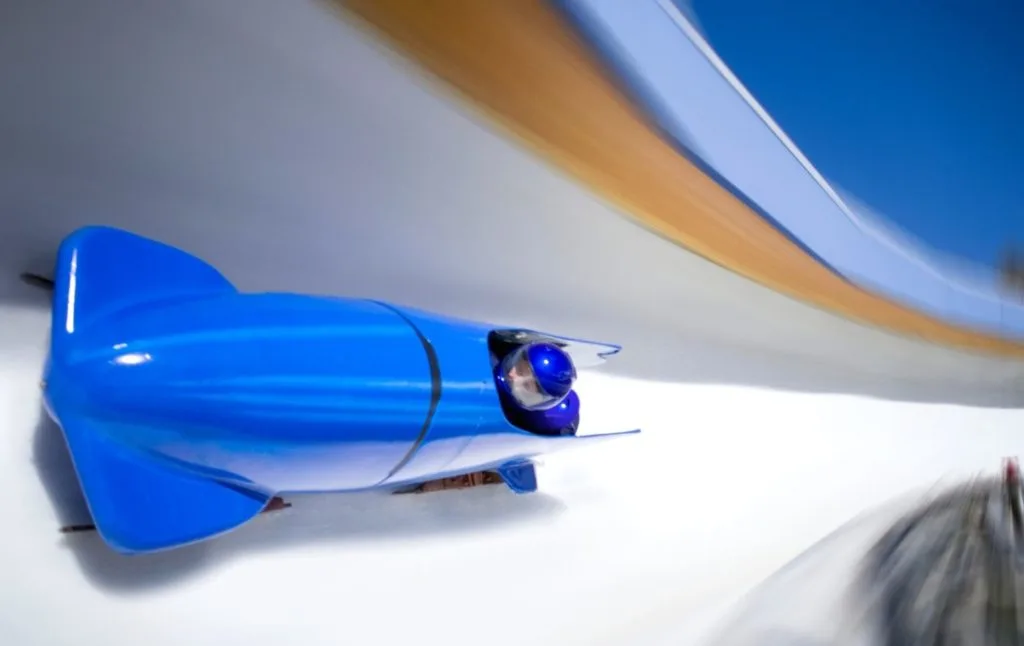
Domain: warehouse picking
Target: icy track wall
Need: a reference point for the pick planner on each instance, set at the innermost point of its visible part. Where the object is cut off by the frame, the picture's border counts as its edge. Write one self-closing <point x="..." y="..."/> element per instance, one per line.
<point x="294" y="150"/>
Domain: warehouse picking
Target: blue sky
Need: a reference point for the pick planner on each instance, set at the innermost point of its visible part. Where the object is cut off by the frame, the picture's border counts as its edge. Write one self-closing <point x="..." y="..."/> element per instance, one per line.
<point x="915" y="107"/>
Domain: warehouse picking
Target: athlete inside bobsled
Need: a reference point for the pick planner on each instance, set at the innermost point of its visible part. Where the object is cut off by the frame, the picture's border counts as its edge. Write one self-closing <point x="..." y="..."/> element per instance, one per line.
<point x="535" y="383"/>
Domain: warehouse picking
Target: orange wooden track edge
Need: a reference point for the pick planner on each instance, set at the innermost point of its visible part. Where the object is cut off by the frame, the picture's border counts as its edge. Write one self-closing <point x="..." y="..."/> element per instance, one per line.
<point x="523" y="66"/>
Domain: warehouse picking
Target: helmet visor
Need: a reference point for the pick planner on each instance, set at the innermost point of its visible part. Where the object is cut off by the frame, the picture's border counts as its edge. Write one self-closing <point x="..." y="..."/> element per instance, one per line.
<point x="523" y="384"/>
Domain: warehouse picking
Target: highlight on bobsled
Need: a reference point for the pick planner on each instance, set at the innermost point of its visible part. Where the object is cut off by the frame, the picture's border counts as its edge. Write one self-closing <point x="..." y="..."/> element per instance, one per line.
<point x="190" y="407"/>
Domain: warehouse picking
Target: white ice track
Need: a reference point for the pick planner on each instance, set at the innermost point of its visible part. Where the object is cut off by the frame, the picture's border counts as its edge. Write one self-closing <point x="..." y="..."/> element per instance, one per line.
<point x="281" y="144"/>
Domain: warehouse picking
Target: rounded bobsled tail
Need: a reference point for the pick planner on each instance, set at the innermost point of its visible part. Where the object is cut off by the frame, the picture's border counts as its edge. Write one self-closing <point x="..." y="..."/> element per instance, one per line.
<point x="101" y="270"/>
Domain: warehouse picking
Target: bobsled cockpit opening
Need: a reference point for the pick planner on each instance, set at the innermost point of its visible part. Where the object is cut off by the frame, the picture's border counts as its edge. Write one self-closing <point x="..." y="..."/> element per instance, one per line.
<point x="543" y="404"/>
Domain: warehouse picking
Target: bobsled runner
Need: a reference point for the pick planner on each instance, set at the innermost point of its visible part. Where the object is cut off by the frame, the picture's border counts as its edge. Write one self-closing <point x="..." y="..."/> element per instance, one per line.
<point x="190" y="407"/>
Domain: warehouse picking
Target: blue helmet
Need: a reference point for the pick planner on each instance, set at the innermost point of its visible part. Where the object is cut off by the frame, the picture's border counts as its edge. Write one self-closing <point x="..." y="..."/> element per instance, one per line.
<point x="563" y="416"/>
<point x="537" y="375"/>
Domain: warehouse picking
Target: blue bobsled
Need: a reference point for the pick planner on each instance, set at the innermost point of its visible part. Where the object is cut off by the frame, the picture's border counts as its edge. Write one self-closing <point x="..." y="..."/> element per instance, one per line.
<point x="188" y="406"/>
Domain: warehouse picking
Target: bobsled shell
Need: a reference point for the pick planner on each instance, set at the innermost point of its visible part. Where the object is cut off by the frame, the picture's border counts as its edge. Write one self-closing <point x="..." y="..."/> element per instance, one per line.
<point x="172" y="387"/>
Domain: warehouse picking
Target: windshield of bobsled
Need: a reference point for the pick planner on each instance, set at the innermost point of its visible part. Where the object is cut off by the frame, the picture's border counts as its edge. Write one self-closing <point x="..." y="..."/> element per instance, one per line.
<point x="523" y="386"/>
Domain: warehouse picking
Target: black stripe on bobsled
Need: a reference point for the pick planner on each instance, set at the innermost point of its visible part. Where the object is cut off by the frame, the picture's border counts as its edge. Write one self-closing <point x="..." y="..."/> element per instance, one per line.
<point x="435" y="390"/>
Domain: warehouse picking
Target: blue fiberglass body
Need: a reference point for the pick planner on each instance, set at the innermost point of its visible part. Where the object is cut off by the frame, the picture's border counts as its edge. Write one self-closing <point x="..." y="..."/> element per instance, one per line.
<point x="187" y="405"/>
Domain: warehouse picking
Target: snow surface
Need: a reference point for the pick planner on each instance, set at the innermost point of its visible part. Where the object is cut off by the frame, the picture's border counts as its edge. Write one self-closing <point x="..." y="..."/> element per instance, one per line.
<point x="645" y="540"/>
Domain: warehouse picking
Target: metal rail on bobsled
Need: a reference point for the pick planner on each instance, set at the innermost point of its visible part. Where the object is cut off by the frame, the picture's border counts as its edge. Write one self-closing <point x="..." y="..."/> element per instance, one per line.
<point x="189" y="407"/>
